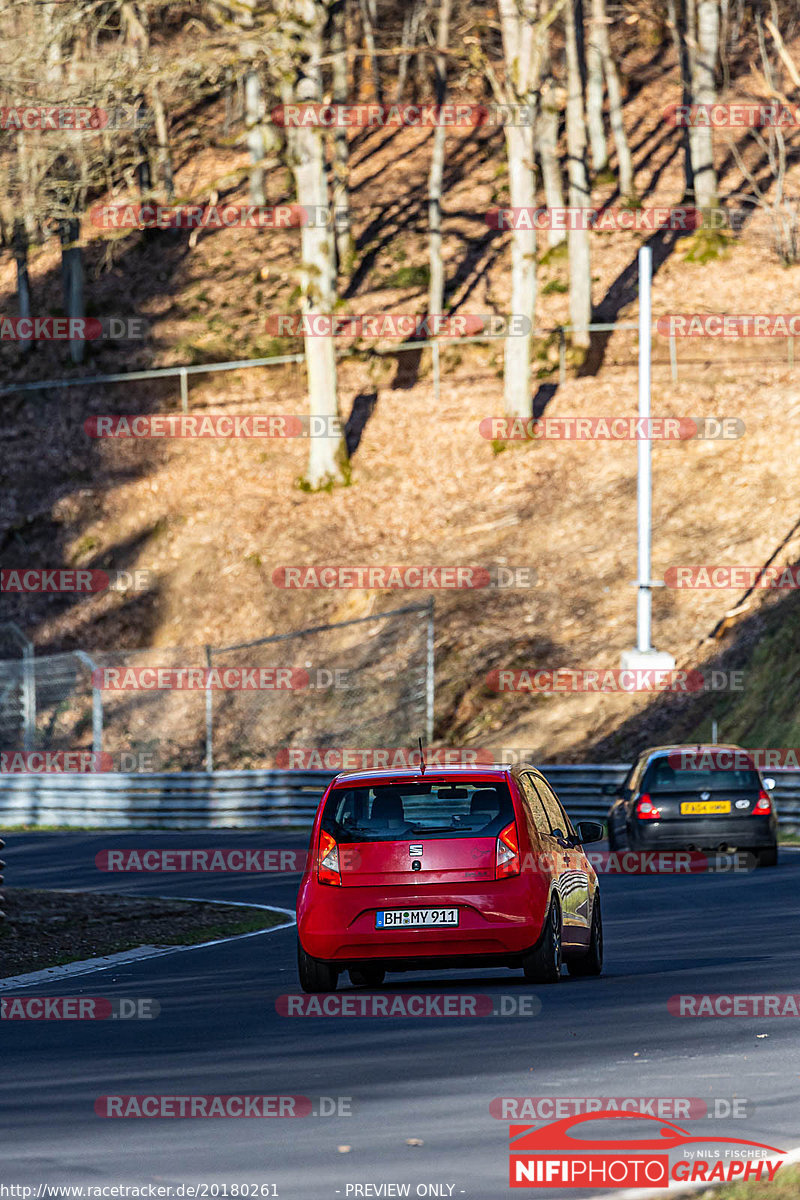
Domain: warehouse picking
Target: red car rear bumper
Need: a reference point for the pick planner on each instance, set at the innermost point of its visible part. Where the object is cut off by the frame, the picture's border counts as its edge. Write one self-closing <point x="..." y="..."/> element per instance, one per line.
<point x="337" y="924"/>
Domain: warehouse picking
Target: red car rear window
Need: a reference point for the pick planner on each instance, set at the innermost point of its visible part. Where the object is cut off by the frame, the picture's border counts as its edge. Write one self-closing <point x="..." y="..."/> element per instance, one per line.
<point x="418" y="810"/>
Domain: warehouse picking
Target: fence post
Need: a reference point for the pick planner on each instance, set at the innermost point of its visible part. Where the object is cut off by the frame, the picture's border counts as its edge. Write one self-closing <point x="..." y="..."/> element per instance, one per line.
<point x="673" y="357"/>
<point x="184" y="390"/>
<point x="429" y="690"/>
<point x="28" y="683"/>
<point x="437" y="390"/>
<point x="562" y="355"/>
<point x="28" y="696"/>
<point x="97" y="705"/>
<point x="209" y="715"/>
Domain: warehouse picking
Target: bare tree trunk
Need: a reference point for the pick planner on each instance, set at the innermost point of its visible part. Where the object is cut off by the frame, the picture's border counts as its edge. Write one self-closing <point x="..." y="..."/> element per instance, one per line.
<point x="369" y="18"/>
<point x="27" y="158"/>
<point x="317" y="275"/>
<point x="411" y="23"/>
<point x="677" y="22"/>
<point x="580" y="272"/>
<point x="550" y="106"/>
<point x="137" y="36"/>
<point x="594" y="99"/>
<point x="603" y="43"/>
<point x="72" y="280"/>
<point x="54" y="68"/>
<point x="690" y="16"/>
<point x="521" y="31"/>
<point x="162" y="137"/>
<point x="341" y="145"/>
<point x="436" y="285"/>
<point x="705" y="93"/>
<point x="20" y="244"/>
<point x="256" y="142"/>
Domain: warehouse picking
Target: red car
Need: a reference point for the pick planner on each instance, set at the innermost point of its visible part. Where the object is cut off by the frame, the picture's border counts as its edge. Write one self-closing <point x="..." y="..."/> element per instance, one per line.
<point x="450" y="867"/>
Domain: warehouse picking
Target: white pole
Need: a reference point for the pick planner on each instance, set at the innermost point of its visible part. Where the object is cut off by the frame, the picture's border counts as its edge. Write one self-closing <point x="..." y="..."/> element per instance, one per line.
<point x="429" y="689"/>
<point x="644" y="483"/>
<point x="644" y="656"/>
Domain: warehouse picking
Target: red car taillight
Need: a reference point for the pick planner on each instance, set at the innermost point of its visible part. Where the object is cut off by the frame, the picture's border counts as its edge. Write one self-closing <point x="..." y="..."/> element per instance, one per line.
<point x="762" y="804"/>
<point x="328" y="862"/>
<point x="507" y="852"/>
<point x="645" y="810"/>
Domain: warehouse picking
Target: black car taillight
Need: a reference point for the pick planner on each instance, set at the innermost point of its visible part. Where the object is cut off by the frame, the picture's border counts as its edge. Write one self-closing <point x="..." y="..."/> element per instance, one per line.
<point x="646" y="810"/>
<point x="763" y="804"/>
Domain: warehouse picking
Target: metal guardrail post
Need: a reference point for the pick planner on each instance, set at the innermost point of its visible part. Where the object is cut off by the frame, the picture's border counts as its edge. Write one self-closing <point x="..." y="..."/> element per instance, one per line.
<point x="562" y="355"/>
<point x="430" y="678"/>
<point x="184" y="390"/>
<point x="437" y="382"/>
<point x="97" y="704"/>
<point x="28" y="683"/>
<point x="673" y="357"/>
<point x="209" y="714"/>
<point x="28" y="696"/>
<point x="2" y="865"/>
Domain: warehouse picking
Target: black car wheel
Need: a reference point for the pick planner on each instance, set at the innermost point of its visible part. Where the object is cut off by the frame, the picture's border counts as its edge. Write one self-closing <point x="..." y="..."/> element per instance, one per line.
<point x="315" y="975"/>
<point x="543" y="963"/>
<point x="591" y="963"/>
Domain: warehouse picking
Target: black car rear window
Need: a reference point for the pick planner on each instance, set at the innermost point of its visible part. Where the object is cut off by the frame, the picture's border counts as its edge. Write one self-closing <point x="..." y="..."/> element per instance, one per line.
<point x="418" y="810"/>
<point x="661" y="776"/>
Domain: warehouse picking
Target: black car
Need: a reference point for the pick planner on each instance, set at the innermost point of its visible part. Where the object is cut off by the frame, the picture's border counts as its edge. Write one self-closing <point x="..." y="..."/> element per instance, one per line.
<point x="708" y="798"/>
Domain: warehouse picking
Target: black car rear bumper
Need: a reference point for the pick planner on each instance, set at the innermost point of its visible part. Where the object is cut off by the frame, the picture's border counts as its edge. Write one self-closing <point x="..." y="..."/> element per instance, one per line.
<point x="705" y="833"/>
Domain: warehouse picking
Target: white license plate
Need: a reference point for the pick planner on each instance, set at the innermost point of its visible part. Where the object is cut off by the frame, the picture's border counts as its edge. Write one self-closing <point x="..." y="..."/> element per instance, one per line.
<point x="415" y="918"/>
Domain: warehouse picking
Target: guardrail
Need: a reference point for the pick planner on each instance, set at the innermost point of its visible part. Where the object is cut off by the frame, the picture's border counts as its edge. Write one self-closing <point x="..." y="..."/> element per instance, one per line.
<point x="261" y="799"/>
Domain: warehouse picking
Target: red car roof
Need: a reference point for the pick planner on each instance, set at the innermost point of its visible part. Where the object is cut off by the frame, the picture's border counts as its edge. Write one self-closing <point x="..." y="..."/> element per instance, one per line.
<point x="460" y="774"/>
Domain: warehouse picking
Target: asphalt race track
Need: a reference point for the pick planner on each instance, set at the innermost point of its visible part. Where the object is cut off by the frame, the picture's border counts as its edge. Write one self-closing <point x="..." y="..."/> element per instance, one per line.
<point x="426" y="1078"/>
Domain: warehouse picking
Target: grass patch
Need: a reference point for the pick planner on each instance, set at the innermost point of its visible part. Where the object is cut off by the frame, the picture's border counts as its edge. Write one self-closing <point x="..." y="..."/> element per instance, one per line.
<point x="407" y="277"/>
<point x="48" y="929"/>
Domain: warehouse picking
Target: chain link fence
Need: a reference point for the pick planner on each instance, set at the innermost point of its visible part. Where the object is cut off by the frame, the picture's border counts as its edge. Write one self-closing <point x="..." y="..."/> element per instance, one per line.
<point x="274" y="702"/>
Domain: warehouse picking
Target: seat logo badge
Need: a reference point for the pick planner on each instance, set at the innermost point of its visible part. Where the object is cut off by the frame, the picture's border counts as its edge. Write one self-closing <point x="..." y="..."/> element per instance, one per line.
<point x="705" y="795"/>
<point x="415" y="849"/>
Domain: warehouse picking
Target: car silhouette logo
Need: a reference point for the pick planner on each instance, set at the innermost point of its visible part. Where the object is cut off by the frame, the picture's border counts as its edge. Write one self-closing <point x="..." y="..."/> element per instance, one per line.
<point x="556" y="1135"/>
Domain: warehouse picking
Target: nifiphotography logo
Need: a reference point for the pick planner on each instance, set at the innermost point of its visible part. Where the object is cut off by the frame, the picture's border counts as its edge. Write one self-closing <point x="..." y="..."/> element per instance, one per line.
<point x="554" y="1156"/>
